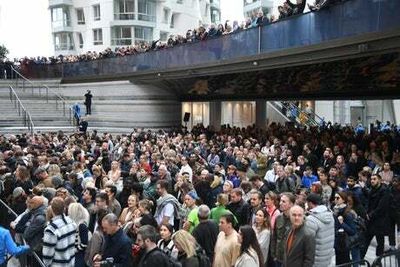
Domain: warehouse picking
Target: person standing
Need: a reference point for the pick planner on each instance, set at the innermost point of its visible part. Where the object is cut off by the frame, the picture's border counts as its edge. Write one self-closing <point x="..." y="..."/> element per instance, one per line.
<point x="117" y="244"/>
<point x="206" y="232"/>
<point x="250" y="251"/>
<point x="226" y="249"/>
<point x="88" y="102"/>
<point x="7" y="246"/>
<point x="378" y="220"/>
<point x="300" y="243"/>
<point x="146" y="239"/>
<point x="59" y="237"/>
<point x="321" y="223"/>
<point x="282" y="228"/>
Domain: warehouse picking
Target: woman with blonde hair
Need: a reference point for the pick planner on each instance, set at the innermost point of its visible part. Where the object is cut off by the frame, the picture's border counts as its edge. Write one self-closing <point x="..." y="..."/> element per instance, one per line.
<point x="186" y="245"/>
<point x="81" y="217"/>
<point x="99" y="176"/>
<point x="128" y="213"/>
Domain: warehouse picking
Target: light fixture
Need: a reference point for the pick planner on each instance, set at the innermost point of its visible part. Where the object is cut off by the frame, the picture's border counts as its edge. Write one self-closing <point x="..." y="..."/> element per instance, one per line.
<point x="255" y="63"/>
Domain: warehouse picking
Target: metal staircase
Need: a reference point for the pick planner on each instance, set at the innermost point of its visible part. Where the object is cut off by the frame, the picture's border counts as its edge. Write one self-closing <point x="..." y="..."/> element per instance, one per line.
<point x="291" y="112"/>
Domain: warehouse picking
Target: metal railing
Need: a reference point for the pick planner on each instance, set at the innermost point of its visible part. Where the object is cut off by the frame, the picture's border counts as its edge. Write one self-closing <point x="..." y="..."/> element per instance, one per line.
<point x="26" y="116"/>
<point x="389" y="259"/>
<point x="11" y="211"/>
<point x="60" y="101"/>
<point x="355" y="263"/>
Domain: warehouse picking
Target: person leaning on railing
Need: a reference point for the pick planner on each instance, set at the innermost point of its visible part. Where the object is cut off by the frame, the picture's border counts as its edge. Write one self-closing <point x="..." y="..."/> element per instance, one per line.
<point x="8" y="246"/>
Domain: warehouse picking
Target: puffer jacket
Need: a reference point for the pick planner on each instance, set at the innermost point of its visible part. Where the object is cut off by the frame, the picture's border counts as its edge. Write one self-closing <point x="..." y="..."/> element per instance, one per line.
<point x="321" y="222"/>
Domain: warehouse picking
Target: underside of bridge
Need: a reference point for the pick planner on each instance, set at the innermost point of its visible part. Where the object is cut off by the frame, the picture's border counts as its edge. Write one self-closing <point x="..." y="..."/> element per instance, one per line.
<point x="376" y="76"/>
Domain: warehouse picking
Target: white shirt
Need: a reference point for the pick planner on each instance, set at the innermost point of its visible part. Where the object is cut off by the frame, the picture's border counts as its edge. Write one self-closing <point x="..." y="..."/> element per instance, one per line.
<point x="167" y="211"/>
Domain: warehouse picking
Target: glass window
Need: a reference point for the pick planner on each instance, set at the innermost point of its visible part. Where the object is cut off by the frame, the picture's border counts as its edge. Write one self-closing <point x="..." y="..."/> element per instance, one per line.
<point x="121" y="35"/>
<point x="124" y="9"/>
<point x="63" y="41"/>
<point x="96" y="12"/>
<point x="60" y="17"/>
<point x="97" y="36"/>
<point x="143" y="34"/>
<point x="166" y="15"/>
<point x="80" y="16"/>
<point x="80" y="38"/>
<point x="146" y="10"/>
<point x="163" y="36"/>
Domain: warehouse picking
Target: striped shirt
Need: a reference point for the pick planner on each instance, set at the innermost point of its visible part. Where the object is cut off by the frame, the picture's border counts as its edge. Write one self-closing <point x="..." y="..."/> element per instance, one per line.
<point x="59" y="242"/>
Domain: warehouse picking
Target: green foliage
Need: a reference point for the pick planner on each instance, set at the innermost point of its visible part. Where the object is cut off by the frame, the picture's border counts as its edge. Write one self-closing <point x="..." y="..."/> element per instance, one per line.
<point x="3" y="51"/>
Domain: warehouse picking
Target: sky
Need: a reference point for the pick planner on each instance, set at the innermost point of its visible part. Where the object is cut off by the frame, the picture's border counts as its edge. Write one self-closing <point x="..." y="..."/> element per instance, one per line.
<point x="26" y="31"/>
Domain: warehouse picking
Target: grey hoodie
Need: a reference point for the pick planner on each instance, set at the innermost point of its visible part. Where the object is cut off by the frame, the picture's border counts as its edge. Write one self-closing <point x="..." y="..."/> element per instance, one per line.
<point x="320" y="221"/>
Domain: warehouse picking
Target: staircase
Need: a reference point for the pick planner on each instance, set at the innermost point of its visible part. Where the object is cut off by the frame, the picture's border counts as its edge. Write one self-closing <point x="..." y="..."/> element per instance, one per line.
<point x="48" y="109"/>
<point x="9" y="119"/>
<point x="290" y="112"/>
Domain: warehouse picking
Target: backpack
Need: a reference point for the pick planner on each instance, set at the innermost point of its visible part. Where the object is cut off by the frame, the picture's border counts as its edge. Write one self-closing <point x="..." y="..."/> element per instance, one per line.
<point x="361" y="228"/>
<point x="203" y="259"/>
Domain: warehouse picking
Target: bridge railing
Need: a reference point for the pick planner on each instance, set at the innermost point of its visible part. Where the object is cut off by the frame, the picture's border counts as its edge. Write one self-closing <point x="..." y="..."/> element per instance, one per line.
<point x="348" y="19"/>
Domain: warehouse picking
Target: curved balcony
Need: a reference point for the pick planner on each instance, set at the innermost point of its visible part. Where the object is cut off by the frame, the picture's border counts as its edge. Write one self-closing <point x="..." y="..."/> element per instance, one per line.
<point x="349" y="20"/>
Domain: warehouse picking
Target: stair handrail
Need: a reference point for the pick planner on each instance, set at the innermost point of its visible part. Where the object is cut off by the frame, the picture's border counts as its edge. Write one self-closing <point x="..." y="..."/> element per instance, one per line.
<point x="58" y="96"/>
<point x="27" y="118"/>
<point x="39" y="260"/>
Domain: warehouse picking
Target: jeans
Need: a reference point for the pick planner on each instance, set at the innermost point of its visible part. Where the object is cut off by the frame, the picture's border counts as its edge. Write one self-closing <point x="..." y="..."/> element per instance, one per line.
<point x="355" y="255"/>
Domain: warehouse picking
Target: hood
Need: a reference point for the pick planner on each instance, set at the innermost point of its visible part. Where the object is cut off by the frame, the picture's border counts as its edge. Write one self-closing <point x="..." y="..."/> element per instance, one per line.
<point x="322" y="214"/>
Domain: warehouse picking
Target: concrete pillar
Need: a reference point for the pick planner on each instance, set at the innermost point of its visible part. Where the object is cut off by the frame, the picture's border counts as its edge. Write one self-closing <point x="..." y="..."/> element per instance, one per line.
<point x="215" y="115"/>
<point x="261" y="113"/>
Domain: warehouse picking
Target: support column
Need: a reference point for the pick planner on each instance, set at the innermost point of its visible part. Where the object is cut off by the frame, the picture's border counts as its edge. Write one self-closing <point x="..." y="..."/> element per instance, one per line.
<point x="215" y="115"/>
<point x="261" y="114"/>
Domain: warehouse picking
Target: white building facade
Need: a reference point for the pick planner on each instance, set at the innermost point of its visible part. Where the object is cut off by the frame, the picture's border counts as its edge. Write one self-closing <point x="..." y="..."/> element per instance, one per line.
<point x="79" y="26"/>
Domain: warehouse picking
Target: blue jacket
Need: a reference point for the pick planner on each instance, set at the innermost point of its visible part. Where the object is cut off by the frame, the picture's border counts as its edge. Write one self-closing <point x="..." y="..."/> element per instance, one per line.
<point x="7" y="245"/>
<point x="307" y="181"/>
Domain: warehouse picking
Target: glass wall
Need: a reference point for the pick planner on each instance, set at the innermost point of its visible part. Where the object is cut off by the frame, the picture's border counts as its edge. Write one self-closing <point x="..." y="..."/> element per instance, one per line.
<point x="240" y="113"/>
<point x="60" y="17"/>
<point x="199" y="113"/>
<point x="63" y="41"/>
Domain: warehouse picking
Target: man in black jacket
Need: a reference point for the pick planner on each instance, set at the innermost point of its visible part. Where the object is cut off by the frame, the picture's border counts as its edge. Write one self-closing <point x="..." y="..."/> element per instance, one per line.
<point x="240" y="208"/>
<point x="206" y="232"/>
<point x="377" y="214"/>
<point x="146" y="239"/>
<point x="117" y="249"/>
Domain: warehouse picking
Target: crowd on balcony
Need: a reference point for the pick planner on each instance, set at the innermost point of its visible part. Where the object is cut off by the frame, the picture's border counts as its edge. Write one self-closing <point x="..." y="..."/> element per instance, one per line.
<point x="284" y="196"/>
<point x="201" y="33"/>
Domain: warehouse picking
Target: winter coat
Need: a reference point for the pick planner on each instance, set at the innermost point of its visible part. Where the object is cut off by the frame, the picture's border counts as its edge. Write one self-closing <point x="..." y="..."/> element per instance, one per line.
<point x="321" y="223"/>
<point x="378" y="210"/>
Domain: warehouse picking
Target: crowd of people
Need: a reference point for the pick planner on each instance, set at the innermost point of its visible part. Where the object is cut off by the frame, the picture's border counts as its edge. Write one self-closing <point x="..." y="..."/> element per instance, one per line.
<point x="284" y="196"/>
<point x="201" y="33"/>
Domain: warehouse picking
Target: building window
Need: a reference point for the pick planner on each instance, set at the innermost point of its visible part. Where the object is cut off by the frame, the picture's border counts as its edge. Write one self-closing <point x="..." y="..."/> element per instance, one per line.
<point x="146" y="10"/>
<point x="121" y="35"/>
<point x="173" y="17"/>
<point x="206" y="10"/>
<point x="163" y="36"/>
<point x="80" y="39"/>
<point x="63" y="41"/>
<point x="215" y="16"/>
<point x="143" y="34"/>
<point x="80" y="16"/>
<point x="60" y="17"/>
<point x="124" y="9"/>
<point x="179" y="1"/>
<point x="97" y="36"/>
<point x="166" y="15"/>
<point x="96" y="12"/>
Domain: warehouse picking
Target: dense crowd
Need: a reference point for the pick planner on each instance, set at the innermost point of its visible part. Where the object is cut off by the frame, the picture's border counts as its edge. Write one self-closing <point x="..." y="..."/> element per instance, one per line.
<point x="236" y="197"/>
<point x="201" y="33"/>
